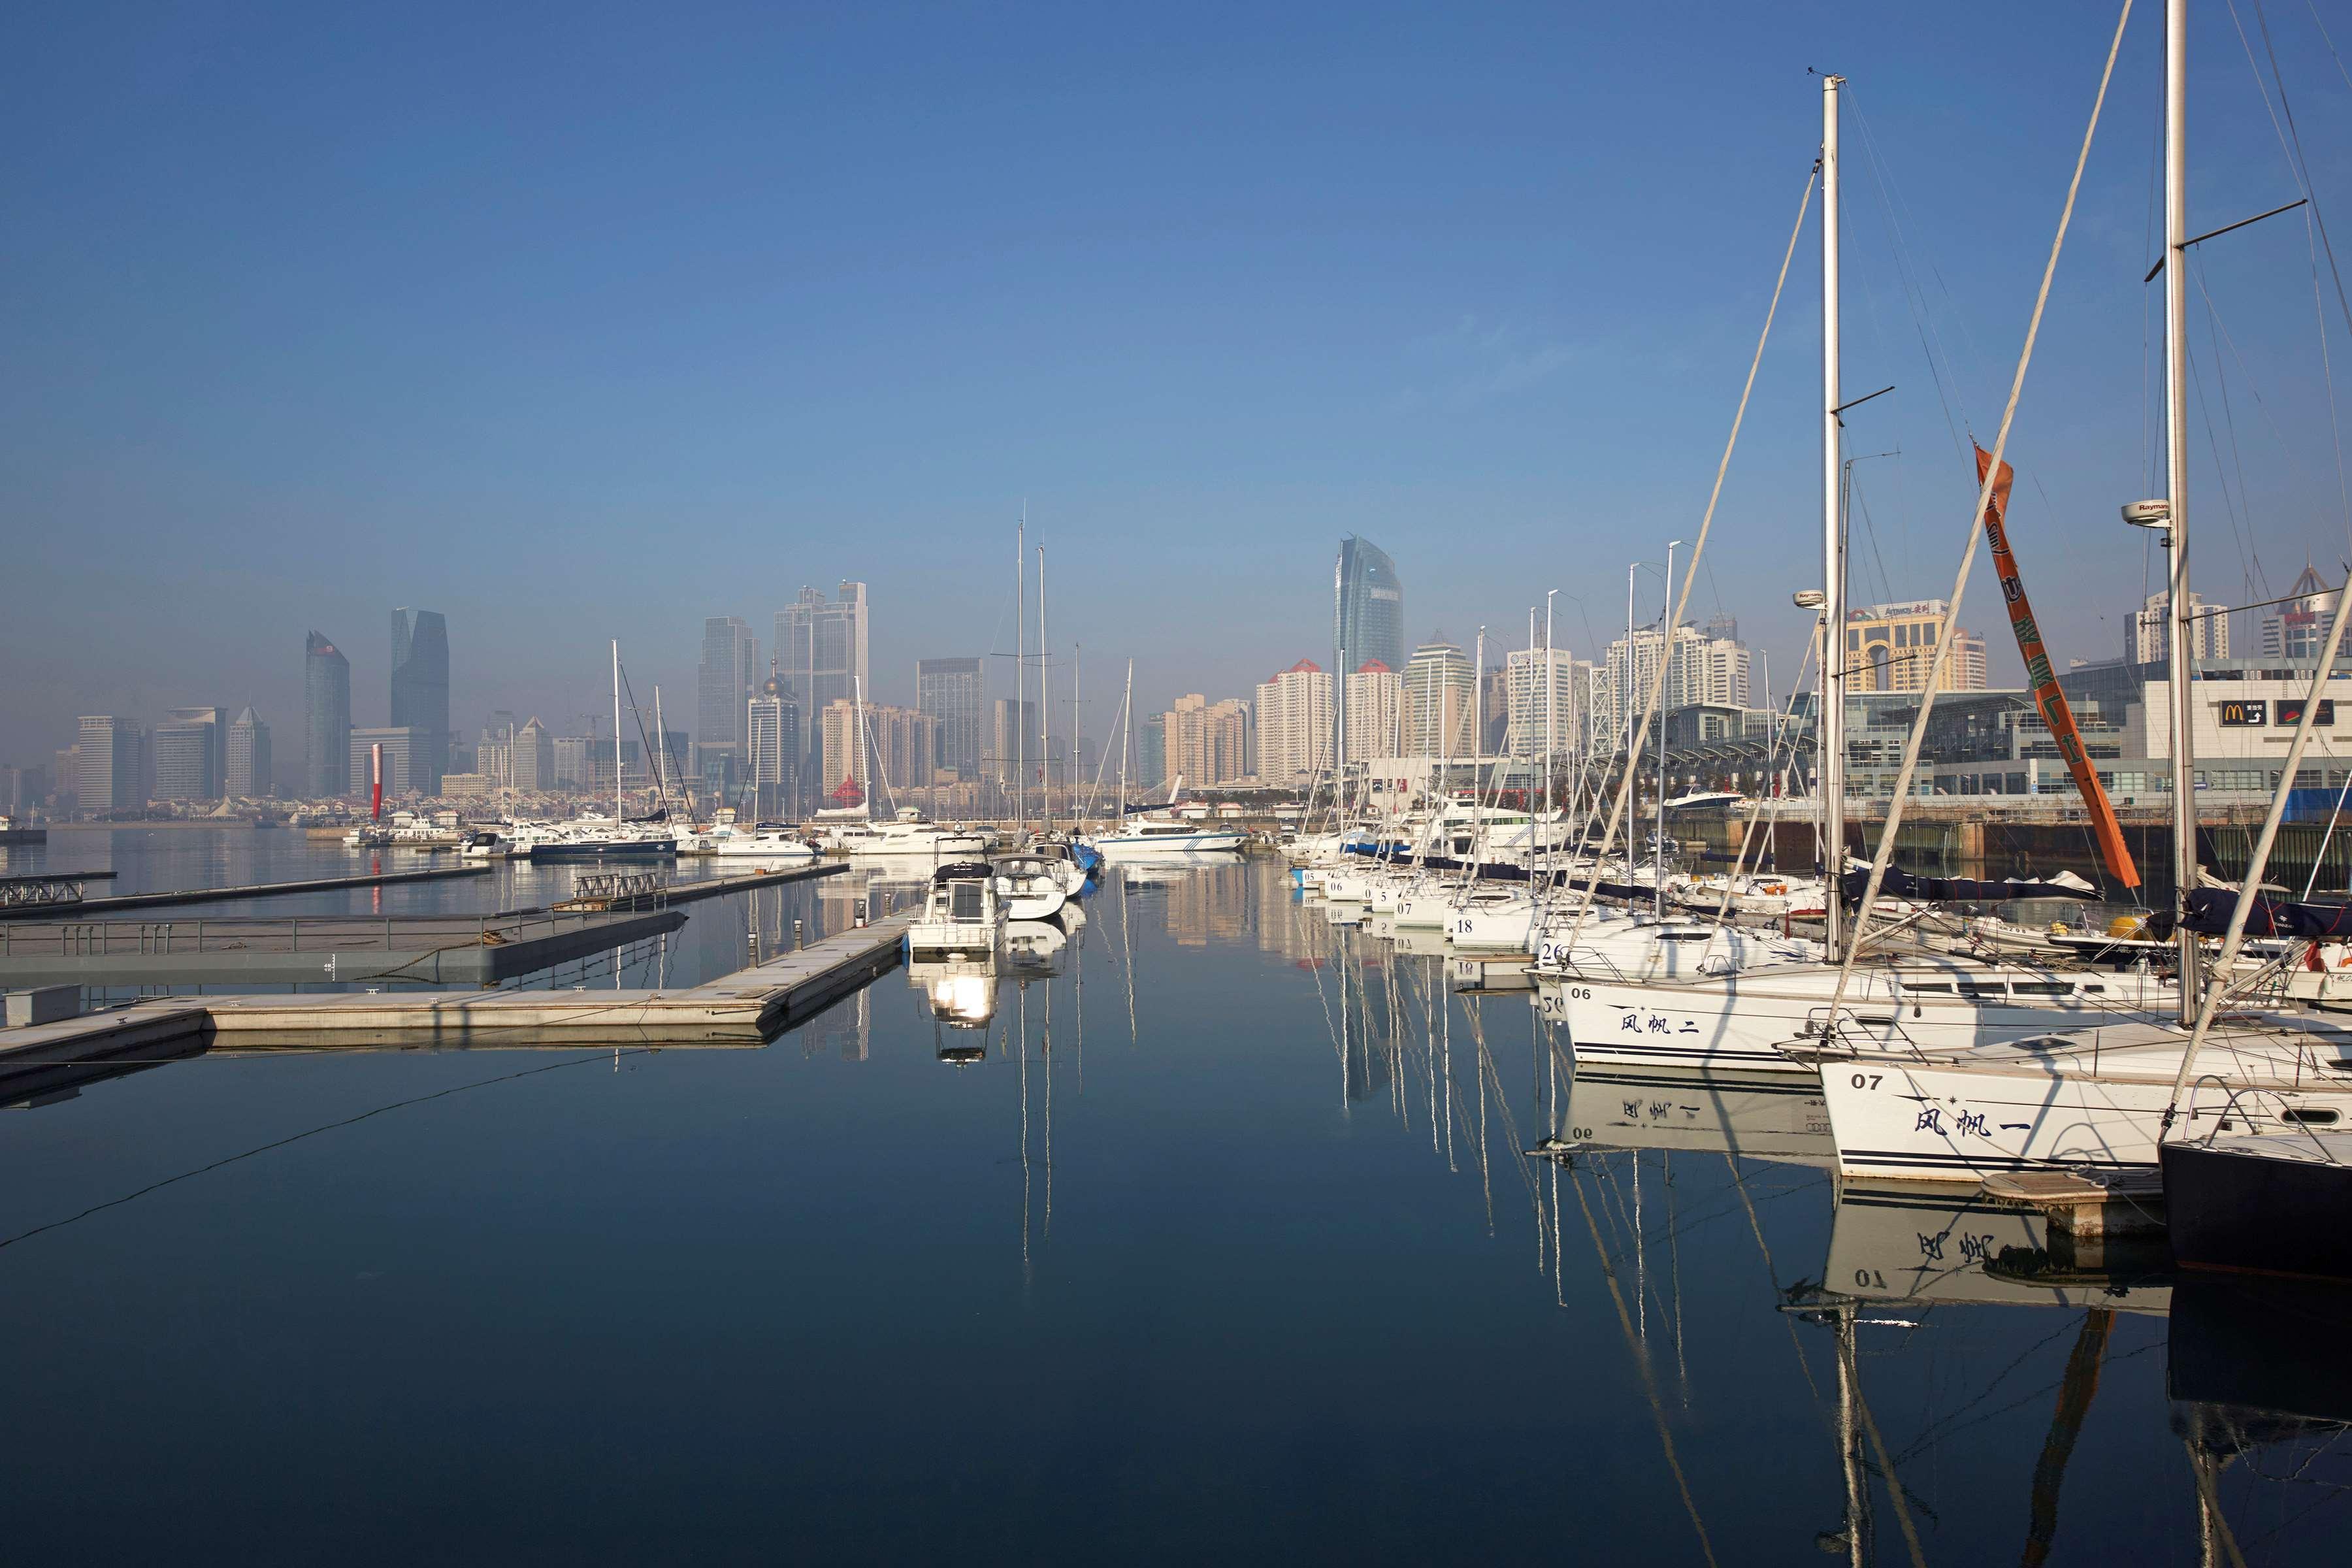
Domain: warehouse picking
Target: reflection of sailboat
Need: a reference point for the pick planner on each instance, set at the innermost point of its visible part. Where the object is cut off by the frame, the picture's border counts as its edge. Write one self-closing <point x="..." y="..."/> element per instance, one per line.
<point x="1899" y="1242"/>
<point x="1758" y="1116"/>
<point x="1035" y="947"/>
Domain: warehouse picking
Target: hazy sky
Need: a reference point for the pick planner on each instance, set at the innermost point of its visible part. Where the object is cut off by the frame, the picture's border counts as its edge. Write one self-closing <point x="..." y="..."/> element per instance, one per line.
<point x="583" y="321"/>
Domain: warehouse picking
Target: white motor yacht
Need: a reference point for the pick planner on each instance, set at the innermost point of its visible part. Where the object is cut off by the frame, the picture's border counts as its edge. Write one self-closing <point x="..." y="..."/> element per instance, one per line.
<point x="1162" y="837"/>
<point x="962" y="912"/>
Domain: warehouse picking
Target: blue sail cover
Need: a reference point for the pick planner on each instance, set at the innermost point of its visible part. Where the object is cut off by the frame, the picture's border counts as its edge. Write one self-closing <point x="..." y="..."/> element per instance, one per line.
<point x="2210" y="909"/>
<point x="1959" y="889"/>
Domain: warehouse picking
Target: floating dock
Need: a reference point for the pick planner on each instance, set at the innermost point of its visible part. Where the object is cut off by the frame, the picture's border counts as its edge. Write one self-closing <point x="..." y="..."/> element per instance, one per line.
<point x="249" y="949"/>
<point x="114" y="901"/>
<point x="748" y="1007"/>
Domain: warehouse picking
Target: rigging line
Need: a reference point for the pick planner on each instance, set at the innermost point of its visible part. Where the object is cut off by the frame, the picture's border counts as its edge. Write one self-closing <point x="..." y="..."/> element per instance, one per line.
<point x="1855" y="497"/>
<point x="2149" y="420"/>
<point x="2302" y="164"/>
<point x="2230" y="422"/>
<point x="1942" y="661"/>
<point x="2329" y="42"/>
<point x="1914" y="296"/>
<point x="2224" y="340"/>
<point x="597" y="1056"/>
<point x="2327" y="375"/>
<point x="2251" y="568"/>
<point x="1619" y="808"/>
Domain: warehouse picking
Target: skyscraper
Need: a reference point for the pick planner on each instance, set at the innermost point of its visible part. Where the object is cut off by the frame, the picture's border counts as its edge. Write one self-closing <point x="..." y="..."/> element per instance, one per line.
<point x="821" y="650"/>
<point x="773" y="751"/>
<point x="1368" y="621"/>
<point x="326" y="719"/>
<point x="2297" y="629"/>
<point x="1439" y="693"/>
<point x="533" y="758"/>
<point x="949" y="690"/>
<point x="724" y="682"/>
<point x="1012" y="740"/>
<point x="420" y="691"/>
<point x="1375" y="698"/>
<point x="2147" y="631"/>
<point x="250" y="775"/>
<point x="1151" y="751"/>
<point x="190" y="749"/>
<point x="1209" y="744"/>
<point x="112" y="765"/>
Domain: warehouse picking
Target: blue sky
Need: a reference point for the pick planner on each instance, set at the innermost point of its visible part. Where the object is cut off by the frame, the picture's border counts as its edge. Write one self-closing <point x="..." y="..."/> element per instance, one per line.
<point x="583" y="322"/>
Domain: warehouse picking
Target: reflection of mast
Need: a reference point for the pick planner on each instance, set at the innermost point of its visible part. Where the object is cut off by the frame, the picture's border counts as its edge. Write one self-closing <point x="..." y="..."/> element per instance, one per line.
<point x="2082" y="1382"/>
<point x="1022" y="1057"/>
<point x="1046" y="1051"/>
<point x="1854" y="1532"/>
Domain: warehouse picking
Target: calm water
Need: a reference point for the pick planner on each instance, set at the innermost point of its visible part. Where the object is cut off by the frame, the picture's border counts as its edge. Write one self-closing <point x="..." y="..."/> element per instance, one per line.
<point x="1224" y="1246"/>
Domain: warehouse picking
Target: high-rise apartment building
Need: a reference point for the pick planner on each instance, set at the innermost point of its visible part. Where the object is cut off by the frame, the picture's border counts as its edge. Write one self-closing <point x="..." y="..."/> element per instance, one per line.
<point x="112" y="766"/>
<point x="2145" y="641"/>
<point x="250" y="776"/>
<point x="821" y="650"/>
<point x="1295" y="723"/>
<point x="950" y="690"/>
<point x="841" y="758"/>
<point x="773" y="751"/>
<point x="1368" y="618"/>
<point x="420" y="691"/>
<point x="1209" y="744"/>
<point x="2297" y="629"/>
<point x="1441" y="687"/>
<point x="725" y="681"/>
<point x="1543" y="694"/>
<point x="1375" y="699"/>
<point x="570" y="759"/>
<point x="190" y="752"/>
<point x="326" y="721"/>
<point x="1700" y="669"/>
<point x="1889" y="648"/>
<point x="533" y="757"/>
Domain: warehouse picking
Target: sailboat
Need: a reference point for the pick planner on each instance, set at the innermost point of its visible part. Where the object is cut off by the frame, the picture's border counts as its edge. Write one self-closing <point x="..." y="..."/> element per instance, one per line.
<point x="593" y="837"/>
<point x="2109" y="1098"/>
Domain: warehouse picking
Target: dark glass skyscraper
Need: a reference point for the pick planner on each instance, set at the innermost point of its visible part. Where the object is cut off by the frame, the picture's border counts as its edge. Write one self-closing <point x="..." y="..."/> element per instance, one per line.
<point x="726" y="680"/>
<point x="420" y="691"/>
<point x="1368" y="609"/>
<point x="326" y="719"/>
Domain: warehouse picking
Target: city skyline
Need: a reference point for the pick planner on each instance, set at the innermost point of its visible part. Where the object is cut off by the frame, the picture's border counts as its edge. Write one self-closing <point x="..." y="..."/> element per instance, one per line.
<point x="1520" y="381"/>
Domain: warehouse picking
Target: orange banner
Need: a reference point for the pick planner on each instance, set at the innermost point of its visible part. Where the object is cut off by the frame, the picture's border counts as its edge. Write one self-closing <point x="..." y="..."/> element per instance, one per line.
<point x="2047" y="696"/>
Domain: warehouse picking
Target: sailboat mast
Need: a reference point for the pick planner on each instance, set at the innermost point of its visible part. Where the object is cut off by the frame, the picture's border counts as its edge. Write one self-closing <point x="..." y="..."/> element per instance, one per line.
<point x="2178" y="638"/>
<point x="661" y="761"/>
<point x="1045" y="710"/>
<point x="1830" y="720"/>
<point x="1625" y="714"/>
<point x="616" y="734"/>
<point x="1665" y="653"/>
<point x="1020" y="672"/>
<point x="1126" y="729"/>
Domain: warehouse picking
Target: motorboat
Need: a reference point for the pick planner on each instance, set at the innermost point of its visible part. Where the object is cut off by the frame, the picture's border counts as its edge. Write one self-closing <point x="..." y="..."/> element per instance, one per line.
<point x="368" y="835"/>
<point x="485" y="845"/>
<point x="770" y="845"/>
<point x="907" y="836"/>
<point x="1162" y="837"/>
<point x="961" y="912"/>
<point x="1029" y="885"/>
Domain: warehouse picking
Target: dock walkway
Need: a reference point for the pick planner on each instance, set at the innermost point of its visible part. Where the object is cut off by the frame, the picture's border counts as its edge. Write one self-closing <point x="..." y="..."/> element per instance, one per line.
<point x="114" y="901"/>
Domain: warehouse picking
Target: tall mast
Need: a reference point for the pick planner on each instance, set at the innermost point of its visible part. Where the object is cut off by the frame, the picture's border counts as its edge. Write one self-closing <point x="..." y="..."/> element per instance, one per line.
<point x="1126" y="729"/>
<point x="1045" y="710"/>
<point x="1020" y="672"/>
<point x="661" y="762"/>
<point x="1665" y="653"/>
<point x="616" y="734"/>
<point x="1339" y="719"/>
<point x="1478" y="749"/>
<point x="1832" y="718"/>
<point x="1074" y="774"/>
<point x="2178" y="638"/>
<point x="1625" y="717"/>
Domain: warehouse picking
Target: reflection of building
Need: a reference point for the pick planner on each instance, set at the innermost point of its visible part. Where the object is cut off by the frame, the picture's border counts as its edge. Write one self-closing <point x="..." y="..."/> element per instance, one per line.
<point x="326" y="719"/>
<point x="2208" y="634"/>
<point x="1441" y="687"/>
<point x="1208" y="745"/>
<point x="1294" y="725"/>
<point x="1889" y="648"/>
<point x="2298" y="628"/>
<point x="1369" y="614"/>
<point x="1211" y="903"/>
<point x="1375" y="699"/>
<point x="949" y="690"/>
<point x="249" y="773"/>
